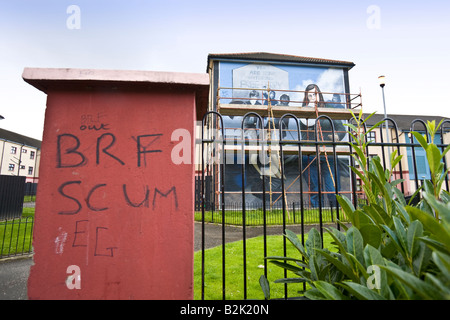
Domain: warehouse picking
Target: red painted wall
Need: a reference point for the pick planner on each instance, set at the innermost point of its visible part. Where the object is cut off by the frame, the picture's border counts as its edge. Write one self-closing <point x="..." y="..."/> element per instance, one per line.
<point x="110" y="200"/>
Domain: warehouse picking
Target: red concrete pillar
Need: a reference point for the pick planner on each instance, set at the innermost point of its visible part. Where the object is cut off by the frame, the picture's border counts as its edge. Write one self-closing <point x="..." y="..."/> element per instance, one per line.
<point x="114" y="212"/>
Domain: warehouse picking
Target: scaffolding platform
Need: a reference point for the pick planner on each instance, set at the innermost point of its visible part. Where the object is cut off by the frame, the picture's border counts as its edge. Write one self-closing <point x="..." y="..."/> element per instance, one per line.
<point x="288" y="149"/>
<point x="279" y="111"/>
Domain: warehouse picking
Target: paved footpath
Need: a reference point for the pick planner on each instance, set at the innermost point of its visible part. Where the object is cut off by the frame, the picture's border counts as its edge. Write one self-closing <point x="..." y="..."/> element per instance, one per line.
<point x="13" y="278"/>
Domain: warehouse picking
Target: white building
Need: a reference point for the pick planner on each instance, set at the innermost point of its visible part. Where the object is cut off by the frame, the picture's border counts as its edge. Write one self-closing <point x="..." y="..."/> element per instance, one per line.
<point x="20" y="155"/>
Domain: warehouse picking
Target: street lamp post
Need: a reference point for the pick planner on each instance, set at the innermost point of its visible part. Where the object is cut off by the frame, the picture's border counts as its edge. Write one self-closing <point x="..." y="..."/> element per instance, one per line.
<point x="382" y="80"/>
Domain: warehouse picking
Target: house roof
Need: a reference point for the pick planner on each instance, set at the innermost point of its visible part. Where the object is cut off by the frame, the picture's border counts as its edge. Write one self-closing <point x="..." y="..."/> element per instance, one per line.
<point x="276" y="57"/>
<point x="404" y="122"/>
<point x="19" y="139"/>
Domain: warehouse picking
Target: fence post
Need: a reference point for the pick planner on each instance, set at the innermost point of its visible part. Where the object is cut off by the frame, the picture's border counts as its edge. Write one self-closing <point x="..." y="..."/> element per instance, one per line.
<point x="293" y="210"/>
<point x="114" y="213"/>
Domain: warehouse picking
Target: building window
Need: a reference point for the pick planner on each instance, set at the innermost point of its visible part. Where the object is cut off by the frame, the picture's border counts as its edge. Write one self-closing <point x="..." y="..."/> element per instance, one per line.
<point x="31" y="155"/>
<point x="30" y="170"/>
<point x="358" y="185"/>
<point x="24" y="150"/>
<point x="11" y="167"/>
<point x="371" y="136"/>
<point x="22" y="167"/>
<point x="13" y="150"/>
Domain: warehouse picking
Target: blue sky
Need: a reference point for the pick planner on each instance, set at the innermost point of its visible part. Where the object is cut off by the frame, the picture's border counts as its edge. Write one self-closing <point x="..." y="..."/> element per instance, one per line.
<point x="409" y="42"/>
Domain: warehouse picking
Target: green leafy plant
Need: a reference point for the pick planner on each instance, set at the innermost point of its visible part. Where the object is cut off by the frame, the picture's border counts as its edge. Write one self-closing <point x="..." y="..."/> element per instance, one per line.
<point x="392" y="250"/>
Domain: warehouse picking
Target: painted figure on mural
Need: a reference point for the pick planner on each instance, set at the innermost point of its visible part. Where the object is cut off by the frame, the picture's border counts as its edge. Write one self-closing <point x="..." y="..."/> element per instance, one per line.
<point x="253" y="98"/>
<point x="284" y="100"/>
<point x="313" y="97"/>
<point x="270" y="97"/>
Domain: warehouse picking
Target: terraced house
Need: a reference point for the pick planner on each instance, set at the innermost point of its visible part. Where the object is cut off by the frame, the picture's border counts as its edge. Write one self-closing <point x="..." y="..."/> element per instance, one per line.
<point x="20" y="155"/>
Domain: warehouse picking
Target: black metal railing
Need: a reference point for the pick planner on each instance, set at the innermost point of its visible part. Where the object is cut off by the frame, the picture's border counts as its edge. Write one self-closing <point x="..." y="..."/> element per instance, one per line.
<point x="16" y="237"/>
<point x="255" y="215"/>
<point x="241" y="194"/>
<point x="17" y="200"/>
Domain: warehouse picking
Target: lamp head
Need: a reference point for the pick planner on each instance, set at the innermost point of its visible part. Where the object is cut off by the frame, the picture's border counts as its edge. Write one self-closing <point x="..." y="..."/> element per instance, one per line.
<point x="382" y="81"/>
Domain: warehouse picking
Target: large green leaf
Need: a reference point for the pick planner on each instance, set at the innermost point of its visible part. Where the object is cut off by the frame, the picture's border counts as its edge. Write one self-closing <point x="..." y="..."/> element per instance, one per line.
<point x="339" y="234"/>
<point x="420" y="138"/>
<point x="403" y="292"/>
<point x="287" y="266"/>
<point x="399" y="197"/>
<point x="378" y="183"/>
<point x="436" y="245"/>
<point x="415" y="230"/>
<point x="347" y="206"/>
<point x="371" y="235"/>
<point x="388" y="248"/>
<point x="292" y="237"/>
<point x="443" y="287"/>
<point x="369" y="194"/>
<point x="355" y="244"/>
<point x="442" y="261"/>
<point x="359" y="269"/>
<point x="420" y="287"/>
<point x="421" y="259"/>
<point x="291" y="280"/>
<point x="400" y="232"/>
<point x="378" y="214"/>
<point x="381" y="173"/>
<point x="403" y="213"/>
<point x="265" y="286"/>
<point x="361" y="218"/>
<point x="314" y="268"/>
<point x="438" y="232"/>
<point x="361" y="156"/>
<point x="393" y="241"/>
<point x="313" y="242"/>
<point x="433" y="157"/>
<point x="361" y="292"/>
<point x="314" y="294"/>
<point x="395" y="161"/>
<point x="442" y="208"/>
<point x="337" y="237"/>
<point x="345" y="269"/>
<point x="299" y="262"/>
<point x="372" y="256"/>
<point x="329" y="291"/>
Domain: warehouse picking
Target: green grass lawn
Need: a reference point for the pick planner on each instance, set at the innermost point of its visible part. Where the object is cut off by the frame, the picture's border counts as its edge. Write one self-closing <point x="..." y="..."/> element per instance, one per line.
<point x="234" y="277"/>
<point x="16" y="235"/>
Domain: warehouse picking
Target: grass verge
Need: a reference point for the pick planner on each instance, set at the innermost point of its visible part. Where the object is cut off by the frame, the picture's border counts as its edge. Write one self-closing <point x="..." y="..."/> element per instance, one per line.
<point x="234" y="274"/>
<point x="16" y="235"/>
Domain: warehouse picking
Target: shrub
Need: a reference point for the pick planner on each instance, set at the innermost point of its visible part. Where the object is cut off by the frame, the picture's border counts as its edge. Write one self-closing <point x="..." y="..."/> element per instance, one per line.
<point x="393" y="250"/>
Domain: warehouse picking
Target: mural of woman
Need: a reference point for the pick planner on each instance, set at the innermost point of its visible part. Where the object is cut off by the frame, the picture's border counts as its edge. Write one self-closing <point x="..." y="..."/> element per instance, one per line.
<point x="313" y="98"/>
